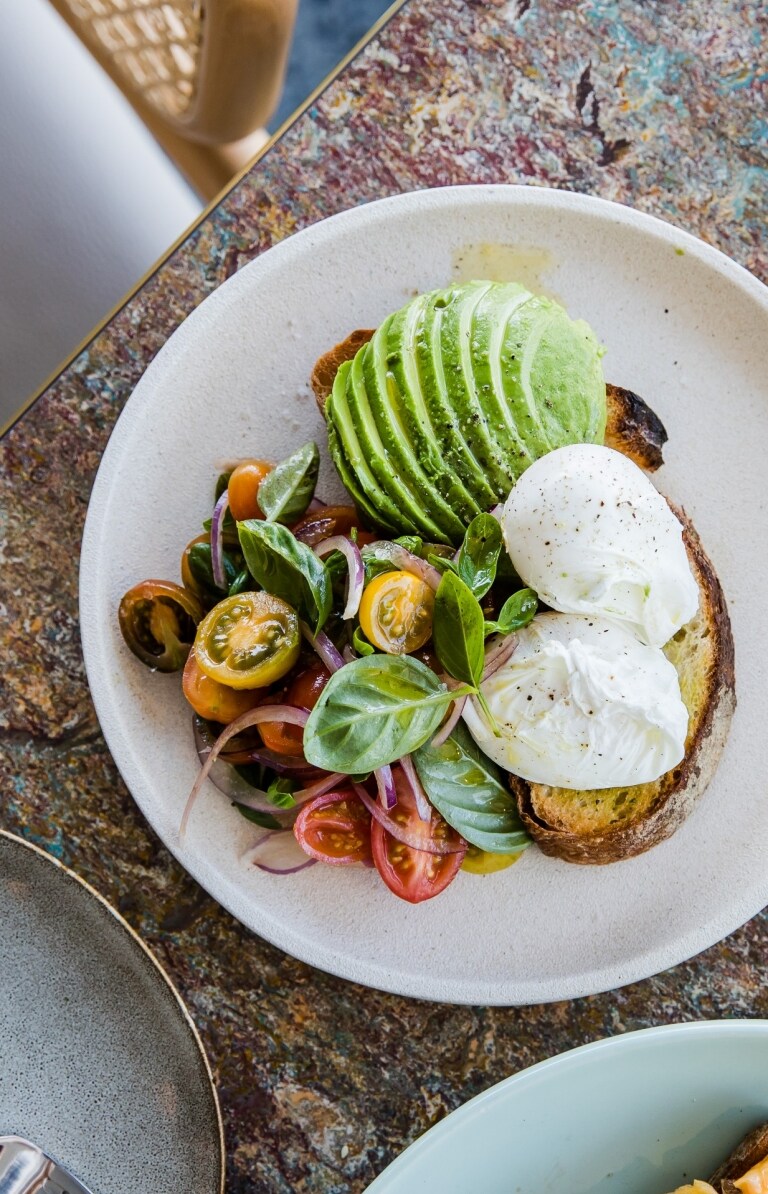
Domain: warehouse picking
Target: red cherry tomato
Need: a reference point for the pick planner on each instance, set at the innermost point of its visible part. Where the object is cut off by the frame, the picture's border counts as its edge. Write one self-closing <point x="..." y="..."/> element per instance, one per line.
<point x="415" y="875"/>
<point x="331" y="520"/>
<point x="335" y="828"/>
<point x="304" y="692"/>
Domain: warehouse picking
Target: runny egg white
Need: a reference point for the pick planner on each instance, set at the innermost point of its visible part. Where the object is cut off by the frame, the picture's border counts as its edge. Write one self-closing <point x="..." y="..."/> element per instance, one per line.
<point x="586" y="529"/>
<point x="582" y="704"/>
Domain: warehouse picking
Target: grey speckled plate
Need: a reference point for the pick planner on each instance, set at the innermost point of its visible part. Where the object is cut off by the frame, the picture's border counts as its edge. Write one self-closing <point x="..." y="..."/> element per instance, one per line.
<point x="100" y="1063"/>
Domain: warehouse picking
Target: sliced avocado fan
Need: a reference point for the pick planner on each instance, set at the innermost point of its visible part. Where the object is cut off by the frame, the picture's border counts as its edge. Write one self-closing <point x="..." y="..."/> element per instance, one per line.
<point x="454" y="397"/>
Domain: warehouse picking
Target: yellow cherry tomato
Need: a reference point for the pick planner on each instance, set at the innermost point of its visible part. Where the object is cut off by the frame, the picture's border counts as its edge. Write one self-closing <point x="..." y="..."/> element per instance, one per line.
<point x="481" y="862"/>
<point x="396" y="612"/>
<point x="248" y="640"/>
<point x="243" y="488"/>
<point x="214" y="701"/>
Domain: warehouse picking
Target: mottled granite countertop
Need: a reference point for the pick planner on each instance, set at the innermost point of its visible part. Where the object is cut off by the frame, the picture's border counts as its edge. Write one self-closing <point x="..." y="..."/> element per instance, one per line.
<point x="656" y="103"/>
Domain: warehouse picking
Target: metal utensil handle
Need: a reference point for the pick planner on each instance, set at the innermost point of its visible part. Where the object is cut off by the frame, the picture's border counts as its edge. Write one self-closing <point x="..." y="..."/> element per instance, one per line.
<point x="25" y="1169"/>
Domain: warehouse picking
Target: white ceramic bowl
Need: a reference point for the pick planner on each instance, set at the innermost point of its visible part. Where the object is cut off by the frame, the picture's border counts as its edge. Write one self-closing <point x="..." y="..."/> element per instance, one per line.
<point x="636" y="1114"/>
<point x="683" y="326"/>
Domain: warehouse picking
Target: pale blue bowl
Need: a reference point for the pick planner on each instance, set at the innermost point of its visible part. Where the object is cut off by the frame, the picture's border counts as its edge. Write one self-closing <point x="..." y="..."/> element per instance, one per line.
<point x="635" y="1114"/>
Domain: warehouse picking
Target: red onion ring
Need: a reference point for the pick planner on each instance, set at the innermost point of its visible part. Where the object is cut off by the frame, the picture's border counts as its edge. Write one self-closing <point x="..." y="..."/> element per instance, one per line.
<point x="385" y="783"/>
<point x="450" y="723"/>
<point x="277" y="848"/>
<point x="320" y="788"/>
<point x="296" y="717"/>
<point x="498" y="655"/>
<point x="217" y="541"/>
<point x="324" y="647"/>
<point x="348" y="655"/>
<point x="405" y="560"/>
<point x="355" y="569"/>
<point x="227" y="780"/>
<point x="423" y="807"/>
<point x="415" y="840"/>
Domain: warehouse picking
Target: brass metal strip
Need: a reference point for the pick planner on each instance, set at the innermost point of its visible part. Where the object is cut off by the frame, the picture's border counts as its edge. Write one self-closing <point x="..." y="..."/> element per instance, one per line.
<point x="330" y="78"/>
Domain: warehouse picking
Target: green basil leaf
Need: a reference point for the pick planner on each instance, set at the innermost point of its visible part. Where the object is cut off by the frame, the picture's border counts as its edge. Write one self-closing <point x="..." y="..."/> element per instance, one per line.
<point x="222" y="483"/>
<point x="442" y="563"/>
<point x="516" y="612"/>
<point x="201" y="567"/>
<point x="287" y="568"/>
<point x="412" y="543"/>
<point x="287" y="490"/>
<point x="265" y="820"/>
<point x="242" y="583"/>
<point x="457" y="630"/>
<point x="360" y="643"/>
<point x="467" y="789"/>
<point x="479" y="554"/>
<point x="280" y="792"/>
<point x="373" y="711"/>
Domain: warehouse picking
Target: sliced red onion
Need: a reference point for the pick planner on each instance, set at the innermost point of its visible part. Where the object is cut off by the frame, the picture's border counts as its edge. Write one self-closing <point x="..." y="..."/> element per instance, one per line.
<point x="282" y="764"/>
<point x="320" y="788"/>
<point x="348" y="655"/>
<point x="229" y="781"/>
<point x="499" y="654"/>
<point x="254" y="717"/>
<point x="450" y="723"/>
<point x="324" y="647"/>
<point x="385" y="783"/>
<point x="406" y="561"/>
<point x="355" y="569"/>
<point x="496" y="512"/>
<point x="316" y="504"/>
<point x="278" y="853"/>
<point x="217" y="541"/>
<point x="417" y="840"/>
<point x="423" y="807"/>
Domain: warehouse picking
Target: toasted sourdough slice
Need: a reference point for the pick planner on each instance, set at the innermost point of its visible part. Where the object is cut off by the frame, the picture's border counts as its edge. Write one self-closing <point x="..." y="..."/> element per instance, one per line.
<point x="752" y="1150"/>
<point x="631" y="427"/>
<point x="608" y="824"/>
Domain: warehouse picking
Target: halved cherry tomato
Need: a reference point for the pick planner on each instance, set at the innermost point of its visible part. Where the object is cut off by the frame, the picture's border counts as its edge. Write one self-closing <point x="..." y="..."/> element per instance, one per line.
<point x="304" y="692"/>
<point x="415" y="875"/>
<point x="335" y="828"/>
<point x="158" y="620"/>
<point x="248" y="640"/>
<point x="396" y="612"/>
<point x="243" y="488"/>
<point x="214" y="701"/>
<point x="481" y="862"/>
<point x="331" y="520"/>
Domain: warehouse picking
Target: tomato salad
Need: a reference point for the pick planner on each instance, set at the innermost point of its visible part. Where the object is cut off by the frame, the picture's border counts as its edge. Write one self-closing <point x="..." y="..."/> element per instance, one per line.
<point x="327" y="670"/>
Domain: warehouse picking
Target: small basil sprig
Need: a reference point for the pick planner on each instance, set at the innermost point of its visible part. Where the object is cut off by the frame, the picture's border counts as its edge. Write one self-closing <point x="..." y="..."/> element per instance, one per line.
<point x="516" y="612"/>
<point x="265" y="820"/>
<point x="280" y="792"/>
<point x="287" y="490"/>
<point x="479" y="554"/>
<point x="469" y="791"/>
<point x="287" y="568"/>
<point x="360" y="643"/>
<point x="201" y="568"/>
<point x="457" y="633"/>
<point x="374" y="711"/>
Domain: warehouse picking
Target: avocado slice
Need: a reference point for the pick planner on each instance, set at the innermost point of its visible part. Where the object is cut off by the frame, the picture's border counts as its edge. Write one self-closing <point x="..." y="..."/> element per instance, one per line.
<point x="395" y="469"/>
<point x="445" y="419"/>
<point x="353" y="467"/>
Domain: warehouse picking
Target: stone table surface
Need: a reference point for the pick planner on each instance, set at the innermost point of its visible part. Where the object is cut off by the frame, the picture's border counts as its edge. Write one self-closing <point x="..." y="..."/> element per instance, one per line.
<point x="656" y="103"/>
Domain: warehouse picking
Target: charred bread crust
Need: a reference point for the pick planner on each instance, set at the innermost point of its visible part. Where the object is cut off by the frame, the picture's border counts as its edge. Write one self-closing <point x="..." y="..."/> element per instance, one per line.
<point x="633" y="428"/>
<point x="327" y="366"/>
<point x="679" y="789"/>
<point x="752" y="1150"/>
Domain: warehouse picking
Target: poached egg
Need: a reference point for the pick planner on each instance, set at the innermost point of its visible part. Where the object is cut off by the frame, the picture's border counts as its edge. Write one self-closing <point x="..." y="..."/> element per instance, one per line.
<point x="582" y="704"/>
<point x="586" y="529"/>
